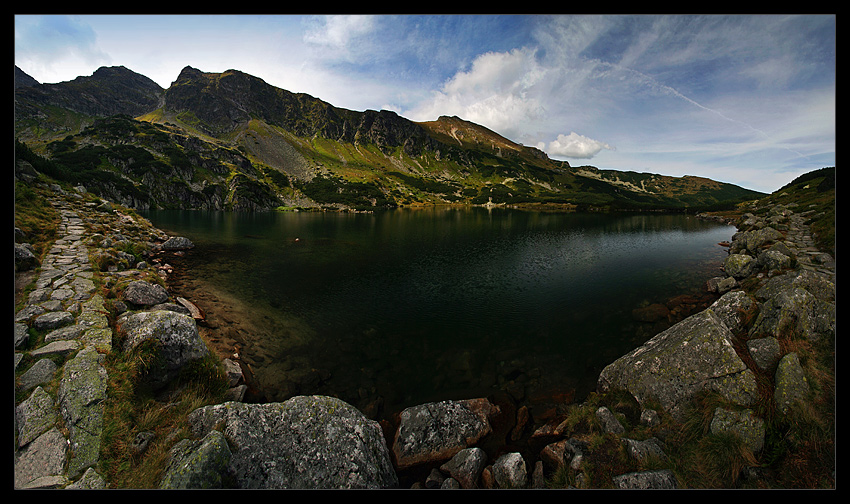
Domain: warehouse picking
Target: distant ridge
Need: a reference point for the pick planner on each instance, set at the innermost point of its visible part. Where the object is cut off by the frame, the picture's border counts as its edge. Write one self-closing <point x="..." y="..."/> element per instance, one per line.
<point x="230" y="140"/>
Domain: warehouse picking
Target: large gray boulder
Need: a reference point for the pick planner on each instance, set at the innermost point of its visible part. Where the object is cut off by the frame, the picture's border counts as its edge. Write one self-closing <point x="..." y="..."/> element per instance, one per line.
<point x="200" y="464"/>
<point x="798" y="303"/>
<point x="175" y="337"/>
<point x="735" y="309"/>
<point x="143" y="293"/>
<point x="307" y="442"/>
<point x="791" y="384"/>
<point x="435" y="432"/>
<point x="693" y="356"/>
<point x="739" y="266"/>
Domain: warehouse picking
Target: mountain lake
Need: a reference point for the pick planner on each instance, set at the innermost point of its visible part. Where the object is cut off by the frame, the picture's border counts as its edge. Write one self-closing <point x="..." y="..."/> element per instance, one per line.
<point x="401" y="307"/>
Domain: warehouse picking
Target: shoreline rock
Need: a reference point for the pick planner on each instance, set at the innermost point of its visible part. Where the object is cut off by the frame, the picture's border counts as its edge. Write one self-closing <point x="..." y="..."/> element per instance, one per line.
<point x="446" y="440"/>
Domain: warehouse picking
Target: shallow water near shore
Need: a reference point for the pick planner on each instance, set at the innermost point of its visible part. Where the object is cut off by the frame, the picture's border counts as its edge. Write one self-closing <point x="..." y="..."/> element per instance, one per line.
<point x="403" y="307"/>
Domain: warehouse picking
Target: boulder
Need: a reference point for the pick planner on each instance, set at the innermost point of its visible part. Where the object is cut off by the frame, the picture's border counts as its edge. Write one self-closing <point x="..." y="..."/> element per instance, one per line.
<point x="739" y="266"/>
<point x="791" y="384"/>
<point x="643" y="450"/>
<point x="144" y="293"/>
<point x="692" y="356"/>
<point x="307" y="442"/>
<point x="466" y="466"/>
<point x="197" y="464"/>
<point x="176" y="340"/>
<point x="435" y="432"/>
<point x="773" y="260"/>
<point x="658" y="479"/>
<point x="765" y="352"/>
<point x="177" y="243"/>
<point x="510" y="471"/>
<point x="743" y="424"/>
<point x="735" y="309"/>
<point x="793" y="312"/>
<point x="25" y="260"/>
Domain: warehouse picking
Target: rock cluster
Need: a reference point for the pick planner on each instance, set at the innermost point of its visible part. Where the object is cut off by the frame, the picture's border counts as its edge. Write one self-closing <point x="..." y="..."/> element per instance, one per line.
<point x="322" y="442"/>
<point x="63" y="333"/>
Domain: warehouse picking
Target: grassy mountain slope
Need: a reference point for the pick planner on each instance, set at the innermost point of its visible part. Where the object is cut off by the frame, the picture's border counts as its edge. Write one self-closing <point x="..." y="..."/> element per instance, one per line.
<point x="231" y="141"/>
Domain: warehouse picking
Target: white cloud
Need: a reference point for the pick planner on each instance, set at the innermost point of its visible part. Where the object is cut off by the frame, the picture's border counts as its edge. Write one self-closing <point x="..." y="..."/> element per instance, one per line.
<point x="497" y="92"/>
<point x="43" y="42"/>
<point x="576" y="146"/>
<point x="339" y="33"/>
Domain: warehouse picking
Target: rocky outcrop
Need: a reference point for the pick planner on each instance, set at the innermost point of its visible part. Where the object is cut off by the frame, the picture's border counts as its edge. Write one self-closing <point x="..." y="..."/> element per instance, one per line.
<point x="322" y="442"/>
<point x="63" y="334"/>
<point x="790" y="294"/>
<point x="304" y="442"/>
<point x="175" y="339"/>
<point x="693" y="356"/>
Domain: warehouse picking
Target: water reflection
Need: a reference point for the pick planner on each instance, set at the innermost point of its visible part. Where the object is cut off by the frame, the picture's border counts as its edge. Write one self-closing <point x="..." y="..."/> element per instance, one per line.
<point x="402" y="307"/>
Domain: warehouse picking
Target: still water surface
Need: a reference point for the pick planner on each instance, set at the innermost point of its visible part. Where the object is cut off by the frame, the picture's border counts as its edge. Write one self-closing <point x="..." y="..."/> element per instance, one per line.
<point x="409" y="306"/>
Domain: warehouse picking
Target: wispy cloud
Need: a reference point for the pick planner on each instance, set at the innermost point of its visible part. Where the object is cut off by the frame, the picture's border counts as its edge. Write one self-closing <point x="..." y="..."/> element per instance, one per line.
<point x="747" y="98"/>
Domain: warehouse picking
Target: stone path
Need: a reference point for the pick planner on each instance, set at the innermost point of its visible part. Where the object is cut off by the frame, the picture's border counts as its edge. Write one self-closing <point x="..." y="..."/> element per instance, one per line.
<point x="808" y="255"/>
<point x="59" y="423"/>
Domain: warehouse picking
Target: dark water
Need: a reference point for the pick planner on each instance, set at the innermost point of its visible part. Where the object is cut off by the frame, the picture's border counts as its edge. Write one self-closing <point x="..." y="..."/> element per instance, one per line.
<point x="409" y="306"/>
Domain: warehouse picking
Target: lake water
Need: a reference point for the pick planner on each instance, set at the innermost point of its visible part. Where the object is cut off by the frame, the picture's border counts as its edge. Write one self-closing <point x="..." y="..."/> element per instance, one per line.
<point x="403" y="307"/>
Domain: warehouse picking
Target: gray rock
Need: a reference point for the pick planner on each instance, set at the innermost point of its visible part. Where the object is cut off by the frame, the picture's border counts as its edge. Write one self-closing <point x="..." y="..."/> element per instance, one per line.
<point x="692" y="356"/>
<point x="305" y="442"/>
<point x="71" y="332"/>
<point x="435" y="432"/>
<point x="41" y="463"/>
<point x="609" y="422"/>
<point x="466" y="466"/>
<point x="450" y="484"/>
<point x="21" y="335"/>
<point x="794" y="312"/>
<point x="144" y="293"/>
<point x="177" y="342"/>
<point x="90" y="480"/>
<point x="510" y="471"/>
<point x="40" y="372"/>
<point x="62" y="347"/>
<point x="82" y="392"/>
<point x="773" y="260"/>
<point x="643" y="450"/>
<point x="35" y="416"/>
<point x="791" y="384"/>
<point x="198" y="464"/>
<point x="743" y="424"/>
<point x="659" y="479"/>
<point x="177" y="243"/>
<point x="765" y="352"/>
<point x="52" y="320"/>
<point x="25" y="260"/>
<point x="739" y="266"/>
<point x="734" y="308"/>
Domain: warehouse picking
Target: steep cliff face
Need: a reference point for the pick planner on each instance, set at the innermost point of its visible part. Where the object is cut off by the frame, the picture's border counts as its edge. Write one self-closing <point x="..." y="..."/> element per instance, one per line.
<point x="108" y="91"/>
<point x="221" y="103"/>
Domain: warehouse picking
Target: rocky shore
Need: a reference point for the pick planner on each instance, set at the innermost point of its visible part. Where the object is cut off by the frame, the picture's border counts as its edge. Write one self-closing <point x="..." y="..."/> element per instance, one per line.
<point x="776" y="285"/>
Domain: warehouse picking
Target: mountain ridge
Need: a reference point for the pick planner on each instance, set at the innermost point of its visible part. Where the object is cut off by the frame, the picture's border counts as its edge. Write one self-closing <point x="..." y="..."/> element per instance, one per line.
<point x="305" y="152"/>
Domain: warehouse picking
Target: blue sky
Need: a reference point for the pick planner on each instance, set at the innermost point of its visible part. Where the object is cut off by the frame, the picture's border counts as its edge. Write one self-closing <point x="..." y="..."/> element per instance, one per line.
<point x="745" y="99"/>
